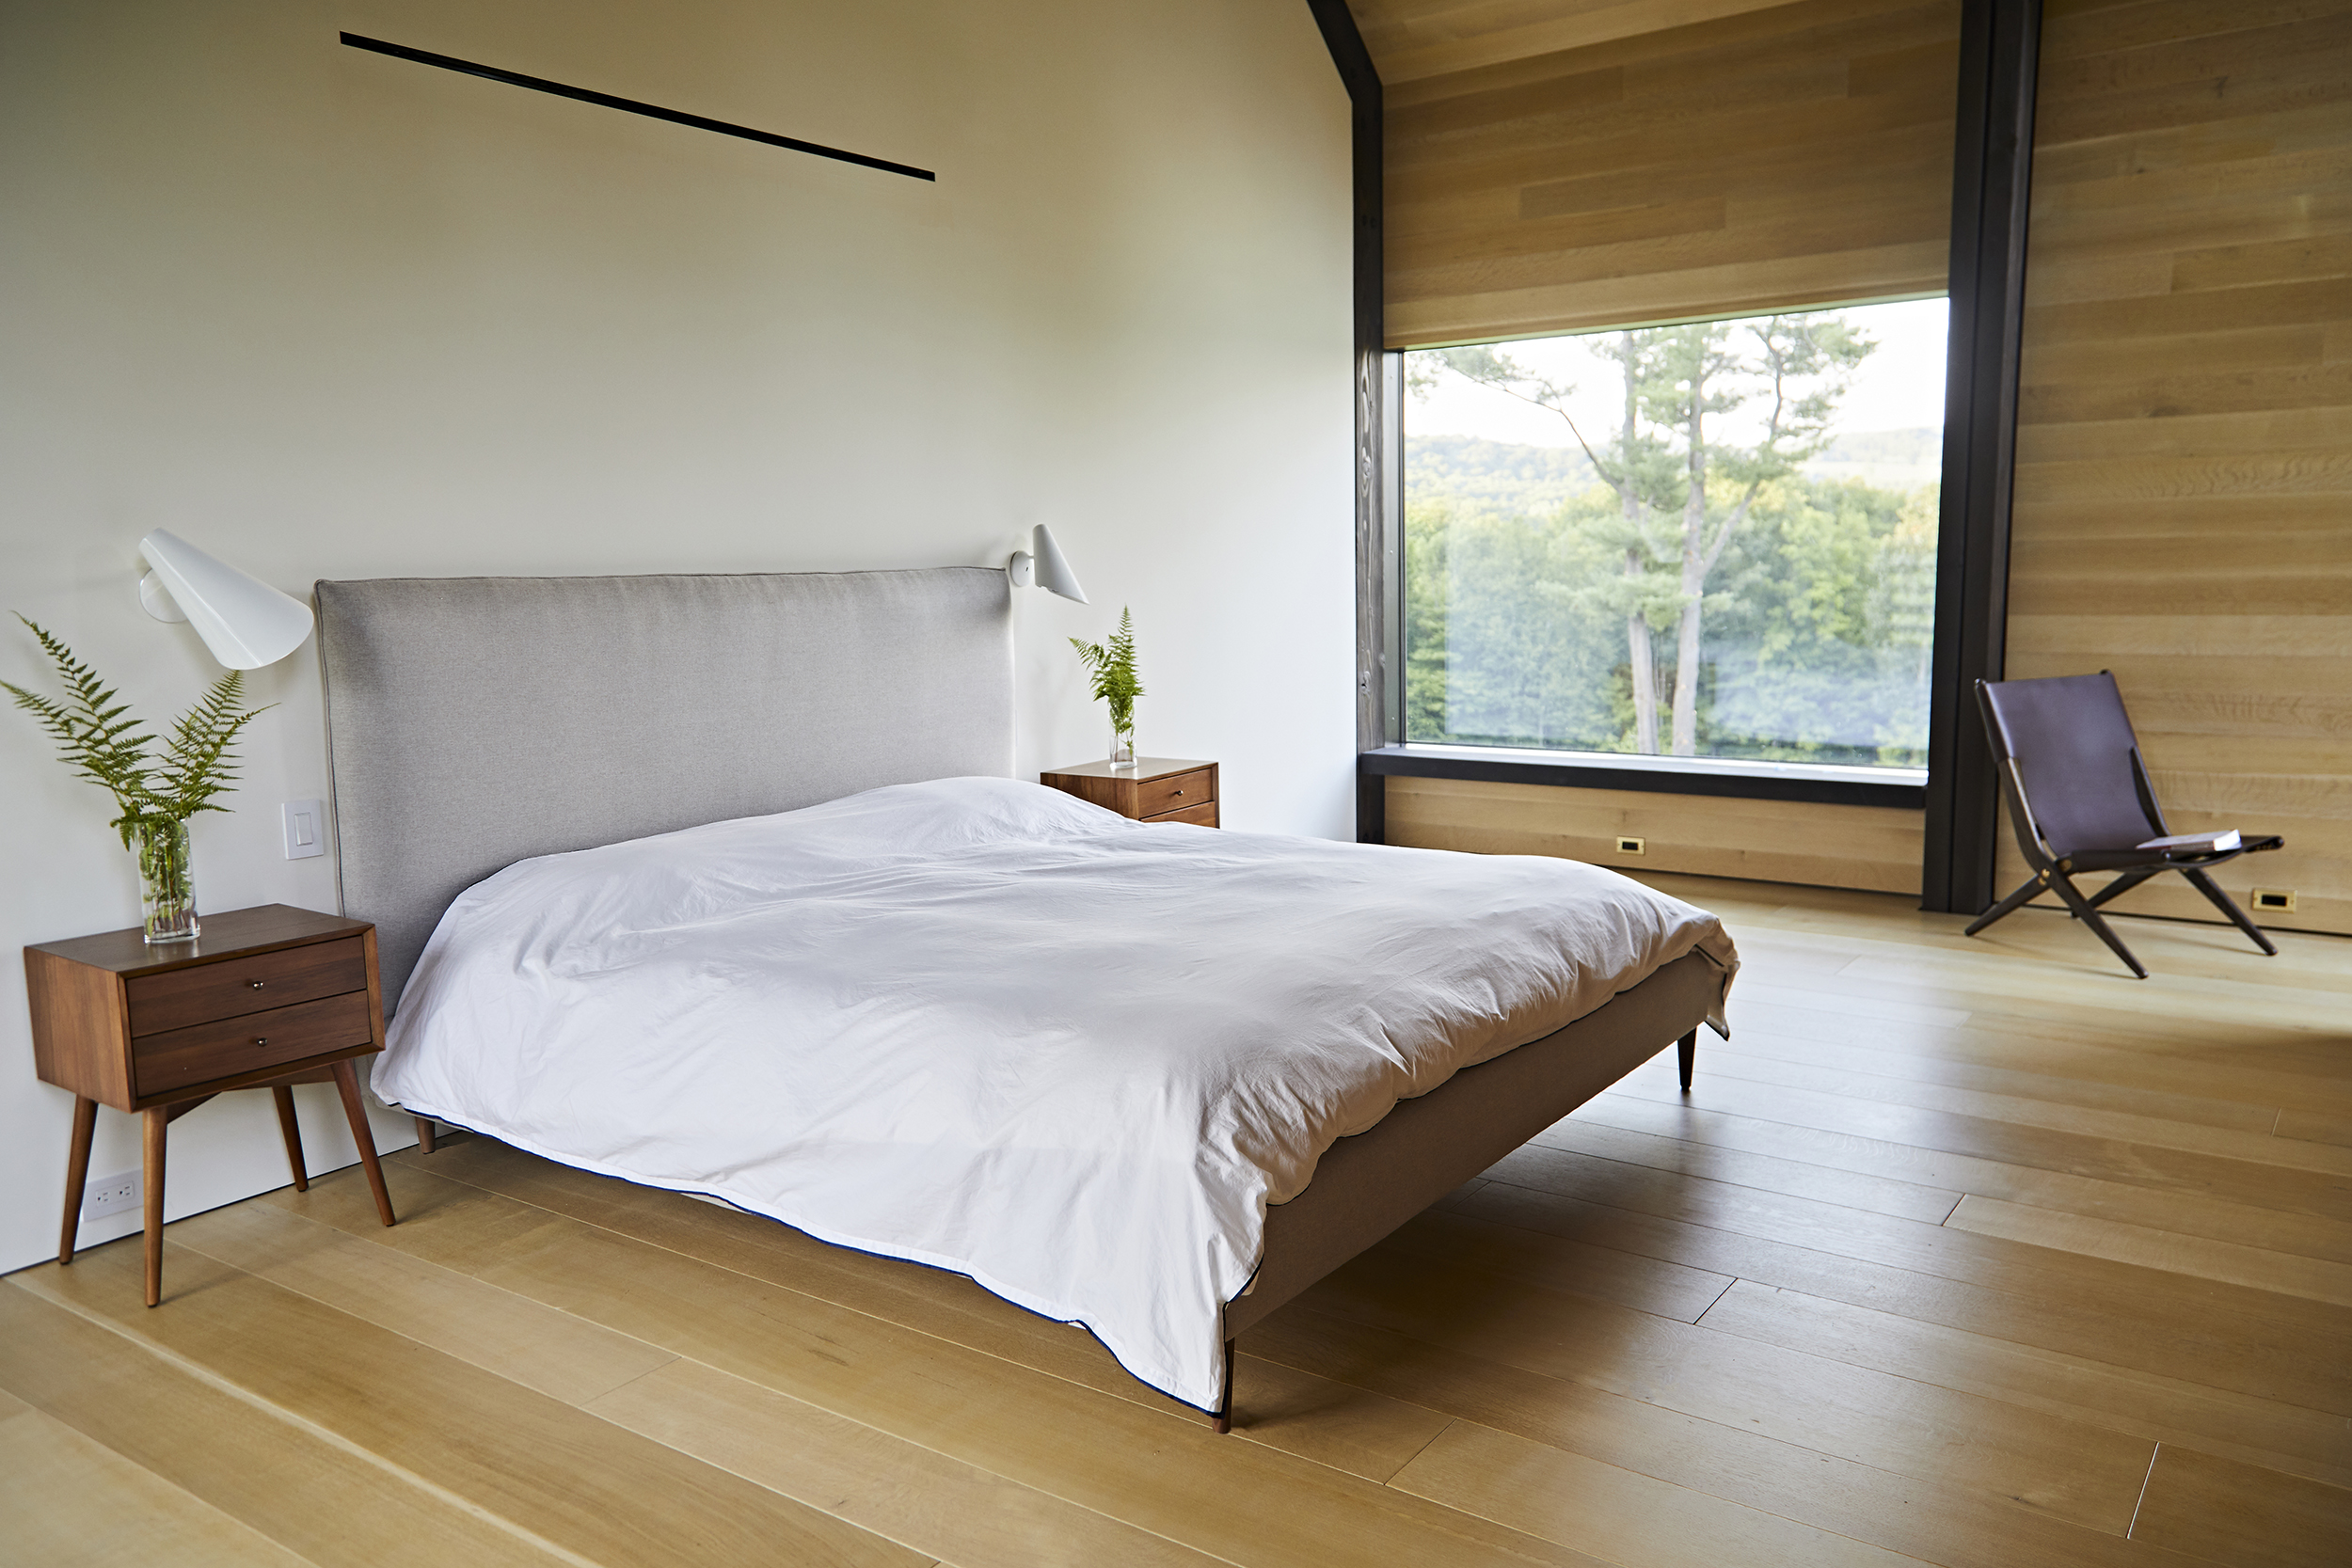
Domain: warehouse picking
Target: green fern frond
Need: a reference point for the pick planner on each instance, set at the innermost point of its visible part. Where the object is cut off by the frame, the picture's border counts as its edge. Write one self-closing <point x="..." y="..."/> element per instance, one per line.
<point x="98" y="739"/>
<point x="1111" y="664"/>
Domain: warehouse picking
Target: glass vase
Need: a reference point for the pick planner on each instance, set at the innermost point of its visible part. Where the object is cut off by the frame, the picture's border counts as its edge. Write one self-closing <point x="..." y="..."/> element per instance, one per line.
<point x="1123" y="744"/>
<point x="167" y="887"/>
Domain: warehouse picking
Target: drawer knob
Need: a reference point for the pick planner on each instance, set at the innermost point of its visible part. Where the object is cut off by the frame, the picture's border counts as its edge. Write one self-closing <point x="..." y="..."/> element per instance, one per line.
<point x="258" y="983"/>
<point x="260" y="1039"/>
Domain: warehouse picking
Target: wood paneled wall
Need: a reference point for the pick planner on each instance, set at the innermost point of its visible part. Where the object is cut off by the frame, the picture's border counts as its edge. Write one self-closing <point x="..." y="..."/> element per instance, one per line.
<point x="1795" y="155"/>
<point x="1772" y="841"/>
<point x="2184" y="498"/>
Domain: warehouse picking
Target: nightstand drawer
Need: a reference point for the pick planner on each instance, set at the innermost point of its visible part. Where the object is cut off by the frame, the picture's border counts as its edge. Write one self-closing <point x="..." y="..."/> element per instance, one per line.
<point x="180" y="997"/>
<point x="1159" y="797"/>
<point x="228" y="1046"/>
<point x="1201" y="816"/>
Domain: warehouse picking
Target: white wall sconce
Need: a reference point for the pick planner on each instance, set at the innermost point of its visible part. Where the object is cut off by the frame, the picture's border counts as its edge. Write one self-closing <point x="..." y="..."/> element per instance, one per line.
<point x="1046" y="569"/>
<point x="243" y="620"/>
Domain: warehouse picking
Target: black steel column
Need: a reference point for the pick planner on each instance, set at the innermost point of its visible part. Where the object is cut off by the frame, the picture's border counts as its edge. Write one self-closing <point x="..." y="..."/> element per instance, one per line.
<point x="1372" y="588"/>
<point x="1992" y="168"/>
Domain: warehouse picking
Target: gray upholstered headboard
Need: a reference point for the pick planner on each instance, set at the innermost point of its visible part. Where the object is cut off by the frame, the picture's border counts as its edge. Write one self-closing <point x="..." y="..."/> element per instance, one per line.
<point x="474" y="722"/>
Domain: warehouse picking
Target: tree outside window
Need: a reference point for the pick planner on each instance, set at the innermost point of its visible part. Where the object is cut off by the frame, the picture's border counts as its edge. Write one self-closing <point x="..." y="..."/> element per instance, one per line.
<point x="1698" y="563"/>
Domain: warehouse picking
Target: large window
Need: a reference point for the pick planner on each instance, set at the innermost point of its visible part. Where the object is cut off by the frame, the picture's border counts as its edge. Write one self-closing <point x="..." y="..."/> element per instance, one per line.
<point x="1713" y="540"/>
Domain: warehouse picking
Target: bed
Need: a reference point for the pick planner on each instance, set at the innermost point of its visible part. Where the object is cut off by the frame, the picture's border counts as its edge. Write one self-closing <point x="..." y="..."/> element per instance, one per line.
<point x="721" y="883"/>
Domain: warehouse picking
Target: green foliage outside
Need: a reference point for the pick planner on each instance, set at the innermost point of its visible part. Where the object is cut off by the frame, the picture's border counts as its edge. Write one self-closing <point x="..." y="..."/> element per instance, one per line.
<point x="1576" y="598"/>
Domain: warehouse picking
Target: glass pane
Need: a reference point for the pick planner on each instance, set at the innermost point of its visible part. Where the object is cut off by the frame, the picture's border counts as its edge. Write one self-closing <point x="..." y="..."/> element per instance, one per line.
<point x="1714" y="540"/>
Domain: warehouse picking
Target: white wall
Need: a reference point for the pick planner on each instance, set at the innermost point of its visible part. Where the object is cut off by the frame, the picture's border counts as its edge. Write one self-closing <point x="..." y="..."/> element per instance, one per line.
<point x="329" y="314"/>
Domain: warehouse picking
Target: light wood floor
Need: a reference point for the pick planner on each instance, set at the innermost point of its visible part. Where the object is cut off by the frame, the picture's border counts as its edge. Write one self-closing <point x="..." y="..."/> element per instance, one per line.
<point x="1977" y="1253"/>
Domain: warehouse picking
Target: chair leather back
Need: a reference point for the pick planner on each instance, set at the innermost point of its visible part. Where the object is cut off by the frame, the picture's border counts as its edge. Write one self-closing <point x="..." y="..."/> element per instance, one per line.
<point x="2074" y="745"/>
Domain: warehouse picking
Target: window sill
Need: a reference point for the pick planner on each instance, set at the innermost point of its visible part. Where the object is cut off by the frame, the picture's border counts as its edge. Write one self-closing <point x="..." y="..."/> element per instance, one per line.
<point x="1819" y="783"/>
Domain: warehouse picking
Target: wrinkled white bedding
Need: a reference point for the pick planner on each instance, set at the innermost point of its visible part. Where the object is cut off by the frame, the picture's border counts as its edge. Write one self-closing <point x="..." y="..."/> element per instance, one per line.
<point x="987" y="1026"/>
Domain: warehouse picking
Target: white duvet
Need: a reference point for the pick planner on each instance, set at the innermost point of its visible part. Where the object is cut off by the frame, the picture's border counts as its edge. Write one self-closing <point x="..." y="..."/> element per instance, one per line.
<point x="990" y="1027"/>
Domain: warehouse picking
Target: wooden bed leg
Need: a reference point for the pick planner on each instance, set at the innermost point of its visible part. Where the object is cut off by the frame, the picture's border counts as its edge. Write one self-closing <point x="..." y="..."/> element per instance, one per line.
<point x="1687" y="1049"/>
<point x="424" y="1134"/>
<point x="1225" y="1411"/>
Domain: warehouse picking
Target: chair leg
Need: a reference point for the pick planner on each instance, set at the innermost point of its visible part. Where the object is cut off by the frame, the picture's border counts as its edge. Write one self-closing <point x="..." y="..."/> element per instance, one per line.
<point x="1687" y="1055"/>
<point x="347" y="1083"/>
<point x="76" y="1174"/>
<point x="2121" y="885"/>
<point x="2065" y="889"/>
<point x="1225" y="1411"/>
<point x="292" y="1134"/>
<point x="2007" y="905"/>
<point x="424" y="1134"/>
<point x="2227" y="905"/>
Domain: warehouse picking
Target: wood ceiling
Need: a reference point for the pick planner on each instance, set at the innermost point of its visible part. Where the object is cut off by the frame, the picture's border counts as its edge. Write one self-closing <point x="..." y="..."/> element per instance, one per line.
<point x="1410" y="40"/>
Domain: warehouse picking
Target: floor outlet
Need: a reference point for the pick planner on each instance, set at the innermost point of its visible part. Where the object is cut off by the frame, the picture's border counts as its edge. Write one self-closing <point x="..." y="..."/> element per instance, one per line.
<point x="110" y="1195"/>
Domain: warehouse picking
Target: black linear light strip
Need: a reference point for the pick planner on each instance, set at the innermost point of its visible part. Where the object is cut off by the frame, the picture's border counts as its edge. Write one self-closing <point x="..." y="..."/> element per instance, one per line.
<point x="651" y="111"/>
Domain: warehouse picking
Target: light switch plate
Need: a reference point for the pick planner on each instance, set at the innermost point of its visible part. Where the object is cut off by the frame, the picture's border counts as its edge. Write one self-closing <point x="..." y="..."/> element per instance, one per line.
<point x="306" y="829"/>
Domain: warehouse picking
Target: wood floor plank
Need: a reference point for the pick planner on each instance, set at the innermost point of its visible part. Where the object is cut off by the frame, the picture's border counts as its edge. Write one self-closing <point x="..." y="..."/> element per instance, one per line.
<point x="1933" y="1520"/>
<point x="1354" y="1431"/>
<point x="1567" y="1497"/>
<point x="2172" y="1207"/>
<point x="2303" y="1123"/>
<point x="925" y="1500"/>
<point x="2186" y="1000"/>
<point x="2123" y="1087"/>
<point x="2083" y="1474"/>
<point x="71" y="1502"/>
<point x="496" y="1330"/>
<point x="323" y="1501"/>
<point x="2129" y="1317"/>
<point x="568" y="1478"/>
<point x="2036" y="1051"/>
<point x="2264" y="1270"/>
<point x="2263" y="1184"/>
<point x="2270" y="1433"/>
<point x="2209" y="1061"/>
<point x="1827" y="1183"/>
<point x="2250" y="1143"/>
<point x="1163" y="1473"/>
<point x="2242" y="1516"/>
<point x="1954" y="1252"/>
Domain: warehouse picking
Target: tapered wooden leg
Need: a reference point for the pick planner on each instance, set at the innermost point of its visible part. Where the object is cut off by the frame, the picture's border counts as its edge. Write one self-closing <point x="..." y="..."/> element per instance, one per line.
<point x="347" y="1082"/>
<point x="1225" y="1411"/>
<point x="1687" y="1053"/>
<point x="424" y="1134"/>
<point x="156" y="1122"/>
<point x="292" y="1131"/>
<point x="76" y="1174"/>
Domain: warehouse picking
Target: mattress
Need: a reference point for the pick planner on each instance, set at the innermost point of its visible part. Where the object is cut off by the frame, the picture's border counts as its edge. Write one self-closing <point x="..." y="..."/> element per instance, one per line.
<point x="987" y="1026"/>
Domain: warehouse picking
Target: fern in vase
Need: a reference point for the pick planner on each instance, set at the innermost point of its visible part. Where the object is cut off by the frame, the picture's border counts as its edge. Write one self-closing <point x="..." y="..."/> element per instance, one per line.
<point x="1111" y="665"/>
<point x="157" y="791"/>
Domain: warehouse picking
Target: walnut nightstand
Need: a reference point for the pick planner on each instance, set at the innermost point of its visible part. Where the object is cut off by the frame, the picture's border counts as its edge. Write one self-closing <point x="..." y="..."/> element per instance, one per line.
<point x="1156" y="789"/>
<point x="266" y="997"/>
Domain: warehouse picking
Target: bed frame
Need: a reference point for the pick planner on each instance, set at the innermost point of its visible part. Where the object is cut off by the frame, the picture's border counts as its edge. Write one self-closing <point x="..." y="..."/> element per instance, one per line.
<point x="475" y="721"/>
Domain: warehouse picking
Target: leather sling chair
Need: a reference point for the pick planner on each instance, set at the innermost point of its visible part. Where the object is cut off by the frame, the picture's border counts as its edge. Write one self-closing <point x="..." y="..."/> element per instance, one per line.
<point x="2079" y="800"/>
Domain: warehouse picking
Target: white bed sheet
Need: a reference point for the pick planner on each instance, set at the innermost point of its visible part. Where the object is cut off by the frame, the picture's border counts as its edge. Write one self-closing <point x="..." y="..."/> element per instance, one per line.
<point x="984" y="1026"/>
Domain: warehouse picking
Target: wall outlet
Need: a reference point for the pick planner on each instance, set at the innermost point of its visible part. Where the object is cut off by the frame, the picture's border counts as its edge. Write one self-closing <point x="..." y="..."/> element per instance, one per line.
<point x="2275" y="900"/>
<point x="1633" y="846"/>
<point x="110" y="1195"/>
<point x="305" y="822"/>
